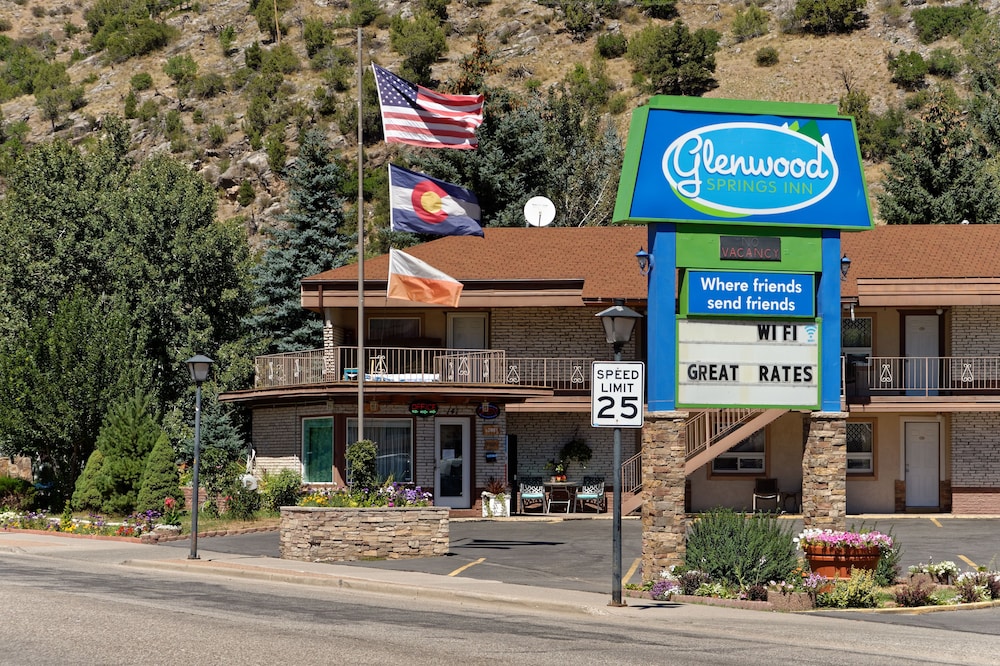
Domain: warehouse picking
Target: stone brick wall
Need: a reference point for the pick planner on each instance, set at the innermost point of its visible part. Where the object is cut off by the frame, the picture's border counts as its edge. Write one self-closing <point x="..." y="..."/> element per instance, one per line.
<point x="975" y="330"/>
<point x="975" y="454"/>
<point x="552" y="332"/>
<point x="18" y="467"/>
<point x="540" y="436"/>
<point x="315" y="534"/>
<point x="664" y="523"/>
<point x="824" y="473"/>
<point x="975" y="501"/>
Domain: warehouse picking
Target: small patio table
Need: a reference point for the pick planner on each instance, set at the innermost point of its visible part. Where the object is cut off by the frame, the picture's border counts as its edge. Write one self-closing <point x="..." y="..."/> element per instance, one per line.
<point x="561" y="493"/>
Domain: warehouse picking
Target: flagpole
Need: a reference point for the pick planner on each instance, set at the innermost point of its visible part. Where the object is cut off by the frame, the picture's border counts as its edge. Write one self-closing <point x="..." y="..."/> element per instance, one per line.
<point x="361" y="256"/>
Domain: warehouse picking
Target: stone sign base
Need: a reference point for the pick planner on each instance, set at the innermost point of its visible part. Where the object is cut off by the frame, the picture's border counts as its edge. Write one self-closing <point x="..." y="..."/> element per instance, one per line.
<point x="322" y="534"/>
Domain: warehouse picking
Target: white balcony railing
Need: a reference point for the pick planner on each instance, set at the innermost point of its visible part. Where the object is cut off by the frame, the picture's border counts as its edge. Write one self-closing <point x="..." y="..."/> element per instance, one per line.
<point x="421" y="365"/>
<point x="922" y="375"/>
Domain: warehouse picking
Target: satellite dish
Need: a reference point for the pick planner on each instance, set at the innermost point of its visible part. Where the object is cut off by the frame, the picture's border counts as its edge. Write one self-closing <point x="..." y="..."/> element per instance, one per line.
<point x="539" y="212"/>
<point x="249" y="481"/>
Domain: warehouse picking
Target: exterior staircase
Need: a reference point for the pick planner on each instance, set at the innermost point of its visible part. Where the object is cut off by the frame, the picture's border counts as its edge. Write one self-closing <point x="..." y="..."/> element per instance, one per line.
<point x="709" y="434"/>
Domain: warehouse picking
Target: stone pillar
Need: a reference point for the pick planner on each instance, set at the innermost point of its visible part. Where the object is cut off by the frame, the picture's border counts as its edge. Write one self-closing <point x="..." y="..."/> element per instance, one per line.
<point x="824" y="472"/>
<point x="664" y="522"/>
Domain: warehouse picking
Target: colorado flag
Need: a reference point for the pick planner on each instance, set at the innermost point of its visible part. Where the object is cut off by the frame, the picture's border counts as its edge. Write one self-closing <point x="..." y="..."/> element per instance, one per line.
<point x="414" y="280"/>
<point x="425" y="205"/>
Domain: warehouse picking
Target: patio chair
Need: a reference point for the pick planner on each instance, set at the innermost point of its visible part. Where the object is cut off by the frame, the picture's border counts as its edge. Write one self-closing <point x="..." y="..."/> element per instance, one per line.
<point x="766" y="489"/>
<point x="591" y="492"/>
<point x="532" y="493"/>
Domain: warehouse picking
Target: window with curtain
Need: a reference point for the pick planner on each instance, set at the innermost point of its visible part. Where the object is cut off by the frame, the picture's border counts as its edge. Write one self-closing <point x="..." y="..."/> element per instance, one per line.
<point x="394" y="439"/>
<point x="747" y="457"/>
<point x="860" y="447"/>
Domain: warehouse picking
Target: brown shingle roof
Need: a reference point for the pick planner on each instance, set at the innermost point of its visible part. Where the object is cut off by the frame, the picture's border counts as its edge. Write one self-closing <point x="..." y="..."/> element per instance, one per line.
<point x="604" y="257"/>
<point x="922" y="251"/>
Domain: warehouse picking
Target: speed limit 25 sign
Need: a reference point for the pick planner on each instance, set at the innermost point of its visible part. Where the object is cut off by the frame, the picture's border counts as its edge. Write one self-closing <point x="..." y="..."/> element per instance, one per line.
<point x="616" y="394"/>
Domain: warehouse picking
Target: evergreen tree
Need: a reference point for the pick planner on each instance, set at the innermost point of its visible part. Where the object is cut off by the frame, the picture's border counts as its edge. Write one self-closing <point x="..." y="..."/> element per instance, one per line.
<point x="88" y="496"/>
<point x="674" y="60"/>
<point x="313" y="241"/>
<point x="938" y="177"/>
<point x="160" y="478"/>
<point x="127" y="437"/>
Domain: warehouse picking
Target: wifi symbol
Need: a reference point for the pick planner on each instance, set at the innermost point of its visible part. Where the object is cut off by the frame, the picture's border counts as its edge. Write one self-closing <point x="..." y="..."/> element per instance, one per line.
<point x="811" y="330"/>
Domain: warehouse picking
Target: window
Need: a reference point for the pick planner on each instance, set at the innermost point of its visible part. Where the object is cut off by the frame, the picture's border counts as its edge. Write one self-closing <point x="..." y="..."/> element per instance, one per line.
<point x="317" y="450"/>
<point x="856" y="338"/>
<point x="386" y="328"/>
<point x="860" y="447"/>
<point x="394" y="438"/>
<point x="747" y="457"/>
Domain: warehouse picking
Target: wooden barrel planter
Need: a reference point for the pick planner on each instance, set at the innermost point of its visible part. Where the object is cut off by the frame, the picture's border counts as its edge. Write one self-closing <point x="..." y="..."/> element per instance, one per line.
<point x="838" y="562"/>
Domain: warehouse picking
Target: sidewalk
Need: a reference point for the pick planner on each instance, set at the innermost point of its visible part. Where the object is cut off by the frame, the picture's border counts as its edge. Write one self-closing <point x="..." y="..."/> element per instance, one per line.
<point x="380" y="581"/>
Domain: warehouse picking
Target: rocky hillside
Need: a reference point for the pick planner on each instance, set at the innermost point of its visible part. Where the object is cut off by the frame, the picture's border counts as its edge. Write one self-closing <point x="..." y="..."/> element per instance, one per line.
<point x="530" y="39"/>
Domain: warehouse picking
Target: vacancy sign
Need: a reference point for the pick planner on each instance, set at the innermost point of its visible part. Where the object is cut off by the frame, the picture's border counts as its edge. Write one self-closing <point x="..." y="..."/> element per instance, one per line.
<point x="616" y="394"/>
<point x="747" y="364"/>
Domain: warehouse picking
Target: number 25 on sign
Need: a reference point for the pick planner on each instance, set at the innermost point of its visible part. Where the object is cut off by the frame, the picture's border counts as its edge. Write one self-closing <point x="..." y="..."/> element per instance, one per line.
<point x="616" y="394"/>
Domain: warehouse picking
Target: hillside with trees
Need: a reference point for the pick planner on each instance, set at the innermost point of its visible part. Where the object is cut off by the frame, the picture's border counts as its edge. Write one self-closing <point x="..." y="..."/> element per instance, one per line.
<point x="169" y="169"/>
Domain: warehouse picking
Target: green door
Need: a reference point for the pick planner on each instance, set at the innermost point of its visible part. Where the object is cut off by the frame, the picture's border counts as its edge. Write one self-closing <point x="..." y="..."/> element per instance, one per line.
<point x="317" y="450"/>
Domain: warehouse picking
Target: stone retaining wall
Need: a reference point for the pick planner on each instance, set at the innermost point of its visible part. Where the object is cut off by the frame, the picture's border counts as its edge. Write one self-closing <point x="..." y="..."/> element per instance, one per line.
<point x="321" y="534"/>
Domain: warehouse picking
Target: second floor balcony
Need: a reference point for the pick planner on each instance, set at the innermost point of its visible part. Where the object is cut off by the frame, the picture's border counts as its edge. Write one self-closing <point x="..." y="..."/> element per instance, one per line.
<point x="483" y="367"/>
<point x="921" y="376"/>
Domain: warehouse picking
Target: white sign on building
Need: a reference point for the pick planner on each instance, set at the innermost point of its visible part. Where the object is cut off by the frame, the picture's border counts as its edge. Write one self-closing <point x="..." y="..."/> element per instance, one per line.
<point x="748" y="363"/>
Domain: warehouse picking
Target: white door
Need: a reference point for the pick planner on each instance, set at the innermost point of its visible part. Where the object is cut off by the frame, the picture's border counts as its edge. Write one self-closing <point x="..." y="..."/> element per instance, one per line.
<point x="921" y="457"/>
<point x="921" y="340"/>
<point x="451" y="446"/>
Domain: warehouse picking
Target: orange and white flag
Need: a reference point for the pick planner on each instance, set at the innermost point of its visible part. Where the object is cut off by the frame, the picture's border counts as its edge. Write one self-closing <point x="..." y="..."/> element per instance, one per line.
<point x="414" y="280"/>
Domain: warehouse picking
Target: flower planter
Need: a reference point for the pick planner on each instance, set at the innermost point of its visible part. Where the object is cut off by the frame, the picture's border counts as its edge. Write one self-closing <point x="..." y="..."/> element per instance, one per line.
<point x="838" y="562"/>
<point x="496" y="506"/>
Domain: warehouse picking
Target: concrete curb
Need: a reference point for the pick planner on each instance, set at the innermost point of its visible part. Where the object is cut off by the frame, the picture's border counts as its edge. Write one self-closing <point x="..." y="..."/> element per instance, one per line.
<point x="489" y="593"/>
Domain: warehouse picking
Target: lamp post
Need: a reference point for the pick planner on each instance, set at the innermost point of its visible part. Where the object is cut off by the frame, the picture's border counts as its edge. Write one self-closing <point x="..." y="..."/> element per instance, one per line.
<point x="199" y="367"/>
<point x="619" y="322"/>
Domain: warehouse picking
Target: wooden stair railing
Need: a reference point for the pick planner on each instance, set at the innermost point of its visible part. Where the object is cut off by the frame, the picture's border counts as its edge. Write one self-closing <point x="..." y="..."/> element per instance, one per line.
<point x="632" y="484"/>
<point x="713" y="432"/>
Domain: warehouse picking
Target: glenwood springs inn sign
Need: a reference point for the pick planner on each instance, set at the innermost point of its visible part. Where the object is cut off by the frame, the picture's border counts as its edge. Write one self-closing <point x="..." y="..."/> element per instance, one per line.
<point x="745" y="203"/>
<point x="742" y="167"/>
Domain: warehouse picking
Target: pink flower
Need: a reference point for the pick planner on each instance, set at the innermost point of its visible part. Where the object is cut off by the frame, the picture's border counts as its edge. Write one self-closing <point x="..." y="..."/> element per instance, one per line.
<point x="169" y="503"/>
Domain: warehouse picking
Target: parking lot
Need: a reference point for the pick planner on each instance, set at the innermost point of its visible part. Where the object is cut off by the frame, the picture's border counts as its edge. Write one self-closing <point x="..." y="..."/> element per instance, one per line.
<point x="575" y="554"/>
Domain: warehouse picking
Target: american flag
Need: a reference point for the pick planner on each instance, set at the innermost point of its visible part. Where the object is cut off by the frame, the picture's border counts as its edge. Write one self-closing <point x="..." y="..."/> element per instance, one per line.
<point x="417" y="116"/>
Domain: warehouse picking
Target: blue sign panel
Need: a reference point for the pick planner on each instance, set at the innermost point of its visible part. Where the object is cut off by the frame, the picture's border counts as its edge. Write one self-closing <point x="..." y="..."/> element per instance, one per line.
<point x="751" y="294"/>
<point x="749" y="169"/>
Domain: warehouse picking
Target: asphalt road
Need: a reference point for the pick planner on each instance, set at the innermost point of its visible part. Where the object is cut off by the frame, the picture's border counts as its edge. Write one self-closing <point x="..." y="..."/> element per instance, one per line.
<point x="576" y="554"/>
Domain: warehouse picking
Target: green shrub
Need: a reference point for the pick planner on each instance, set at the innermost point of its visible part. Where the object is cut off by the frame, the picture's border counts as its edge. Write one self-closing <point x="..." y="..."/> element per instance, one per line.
<point x="859" y="591"/>
<point x="88" y="495"/>
<point x="245" y="194"/>
<point x="612" y="46"/>
<point x="281" y="489"/>
<point x="741" y="549"/>
<point x="933" y="23"/>
<point x="943" y="62"/>
<point x="830" y="16"/>
<point x="243" y="502"/>
<point x="362" y="464"/>
<point x="253" y="56"/>
<point x="208" y="85"/>
<point x="226" y="38"/>
<point x="276" y="149"/>
<point x="766" y="56"/>
<point x="364" y="12"/>
<point x="662" y="9"/>
<point x="216" y="135"/>
<point x="141" y="81"/>
<point x="617" y="104"/>
<point x="5" y="25"/>
<point x="148" y="110"/>
<point x="16" y="494"/>
<point x="750" y="23"/>
<point x="908" y="70"/>
<point x="160" y="479"/>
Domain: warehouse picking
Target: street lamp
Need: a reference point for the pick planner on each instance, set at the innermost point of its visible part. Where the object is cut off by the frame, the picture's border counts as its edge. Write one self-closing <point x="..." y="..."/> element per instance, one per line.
<point x="619" y="322"/>
<point x="198" y="366"/>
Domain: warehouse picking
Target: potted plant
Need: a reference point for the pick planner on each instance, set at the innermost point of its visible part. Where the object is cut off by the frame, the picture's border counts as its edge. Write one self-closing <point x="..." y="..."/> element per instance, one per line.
<point x="496" y="499"/>
<point x="576" y="450"/>
<point x="557" y="468"/>
<point x="834" y="553"/>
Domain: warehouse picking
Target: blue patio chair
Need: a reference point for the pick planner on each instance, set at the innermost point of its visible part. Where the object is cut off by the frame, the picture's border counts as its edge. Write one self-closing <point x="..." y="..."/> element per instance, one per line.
<point x="591" y="492"/>
<point x="532" y="493"/>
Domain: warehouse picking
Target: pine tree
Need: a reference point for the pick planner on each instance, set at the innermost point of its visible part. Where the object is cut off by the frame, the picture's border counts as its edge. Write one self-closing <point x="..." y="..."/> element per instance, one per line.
<point x="126" y="439"/>
<point x="87" y="496"/>
<point x="160" y="479"/>
<point x="313" y="241"/>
